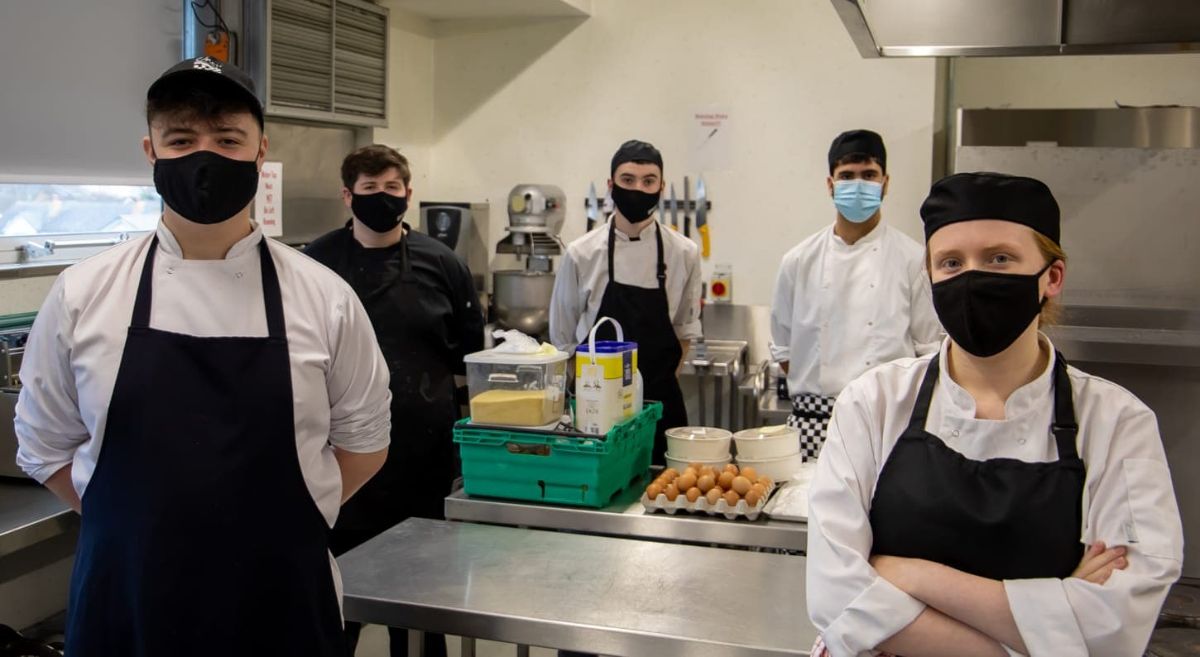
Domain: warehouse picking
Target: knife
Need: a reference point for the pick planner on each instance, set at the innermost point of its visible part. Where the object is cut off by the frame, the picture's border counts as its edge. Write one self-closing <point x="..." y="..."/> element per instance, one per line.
<point x="687" y="221"/>
<point x="702" y="218"/>
<point x="662" y="208"/>
<point x="592" y="207"/>
<point x="674" y="209"/>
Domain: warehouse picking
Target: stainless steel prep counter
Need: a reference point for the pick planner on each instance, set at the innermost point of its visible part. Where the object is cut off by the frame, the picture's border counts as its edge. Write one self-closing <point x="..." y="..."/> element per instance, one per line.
<point x="29" y="514"/>
<point x="569" y="591"/>
<point x="626" y="518"/>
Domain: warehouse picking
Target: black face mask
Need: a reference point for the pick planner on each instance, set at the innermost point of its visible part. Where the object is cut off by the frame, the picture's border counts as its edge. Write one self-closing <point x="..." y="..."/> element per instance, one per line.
<point x="206" y="187"/>
<point x="635" y="205"/>
<point x="984" y="312"/>
<point x="380" y="211"/>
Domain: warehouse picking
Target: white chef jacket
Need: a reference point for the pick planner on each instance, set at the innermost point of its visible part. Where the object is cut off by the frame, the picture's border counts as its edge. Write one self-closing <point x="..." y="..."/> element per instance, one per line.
<point x="1128" y="500"/>
<point x="339" y="376"/>
<point x="583" y="276"/>
<point x="840" y="309"/>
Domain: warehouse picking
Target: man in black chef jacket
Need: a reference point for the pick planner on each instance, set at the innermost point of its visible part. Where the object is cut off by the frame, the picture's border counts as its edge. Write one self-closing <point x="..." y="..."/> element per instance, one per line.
<point x="425" y="311"/>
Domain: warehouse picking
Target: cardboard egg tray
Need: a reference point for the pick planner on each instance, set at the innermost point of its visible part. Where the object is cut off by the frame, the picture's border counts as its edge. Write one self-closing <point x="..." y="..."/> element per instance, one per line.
<point x="701" y="505"/>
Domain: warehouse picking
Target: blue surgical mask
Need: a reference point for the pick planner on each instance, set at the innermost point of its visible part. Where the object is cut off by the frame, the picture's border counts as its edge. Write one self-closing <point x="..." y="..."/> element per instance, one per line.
<point x="857" y="200"/>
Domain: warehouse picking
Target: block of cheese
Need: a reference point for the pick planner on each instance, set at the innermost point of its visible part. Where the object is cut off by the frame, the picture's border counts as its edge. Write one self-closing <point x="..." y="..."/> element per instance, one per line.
<point x="521" y="408"/>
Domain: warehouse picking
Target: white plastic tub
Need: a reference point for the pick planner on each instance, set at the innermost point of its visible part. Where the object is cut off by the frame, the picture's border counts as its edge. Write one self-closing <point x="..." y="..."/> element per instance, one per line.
<point x="698" y="443"/>
<point x="780" y="469"/>
<point x="767" y="442"/>
<point x="681" y="464"/>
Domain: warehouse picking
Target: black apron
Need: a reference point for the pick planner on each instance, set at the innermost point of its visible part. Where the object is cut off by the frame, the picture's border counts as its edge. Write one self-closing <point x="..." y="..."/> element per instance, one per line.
<point x="199" y="534"/>
<point x="645" y="318"/>
<point x="410" y="318"/>
<point x="1001" y="518"/>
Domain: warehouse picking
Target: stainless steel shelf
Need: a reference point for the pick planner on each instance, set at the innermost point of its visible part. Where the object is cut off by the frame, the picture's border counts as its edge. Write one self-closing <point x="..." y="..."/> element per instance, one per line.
<point x="626" y="518"/>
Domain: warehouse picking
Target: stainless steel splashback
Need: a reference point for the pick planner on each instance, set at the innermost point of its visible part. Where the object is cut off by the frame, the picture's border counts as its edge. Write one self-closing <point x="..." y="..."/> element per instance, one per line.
<point x="312" y="184"/>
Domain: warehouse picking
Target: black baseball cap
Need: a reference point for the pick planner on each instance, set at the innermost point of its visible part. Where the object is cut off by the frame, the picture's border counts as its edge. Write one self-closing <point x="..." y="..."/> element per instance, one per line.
<point x="858" y="142"/>
<point x="636" y="151"/>
<point x="206" y="70"/>
<point x="987" y="195"/>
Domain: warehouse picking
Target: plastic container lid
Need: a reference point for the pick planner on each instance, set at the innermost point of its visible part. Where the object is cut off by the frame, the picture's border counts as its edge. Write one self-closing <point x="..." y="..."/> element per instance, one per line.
<point x="764" y="433"/>
<point x="493" y="357"/>
<point x="698" y="433"/>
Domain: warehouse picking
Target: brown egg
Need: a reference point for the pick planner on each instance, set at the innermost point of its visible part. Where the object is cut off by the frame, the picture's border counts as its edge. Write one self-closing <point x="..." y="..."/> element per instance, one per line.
<point x="708" y="471"/>
<point x="685" y="481"/>
<point x="729" y="467"/>
<point x="766" y="481"/>
<point x="725" y="480"/>
<point x="760" y="489"/>
<point x="695" y="466"/>
<point x="750" y="473"/>
<point x="670" y="474"/>
<point x="671" y="492"/>
<point x="752" y="498"/>
<point x="706" y="482"/>
<point x="741" y="485"/>
<point x="693" y="494"/>
<point x="695" y="472"/>
<point x="713" y="496"/>
<point x="653" y="490"/>
<point x="731" y="498"/>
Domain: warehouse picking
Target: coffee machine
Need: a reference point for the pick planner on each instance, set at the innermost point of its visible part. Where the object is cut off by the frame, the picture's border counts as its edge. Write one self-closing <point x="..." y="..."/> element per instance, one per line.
<point x="521" y="297"/>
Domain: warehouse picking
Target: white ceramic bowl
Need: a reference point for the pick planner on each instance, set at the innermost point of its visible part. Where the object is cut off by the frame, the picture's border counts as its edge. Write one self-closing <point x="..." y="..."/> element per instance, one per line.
<point x="767" y="442"/>
<point x="681" y="464"/>
<point x="699" y="443"/>
<point x="780" y="468"/>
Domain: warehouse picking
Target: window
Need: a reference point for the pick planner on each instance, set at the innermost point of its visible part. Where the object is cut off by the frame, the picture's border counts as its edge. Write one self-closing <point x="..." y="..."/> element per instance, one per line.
<point x="44" y="223"/>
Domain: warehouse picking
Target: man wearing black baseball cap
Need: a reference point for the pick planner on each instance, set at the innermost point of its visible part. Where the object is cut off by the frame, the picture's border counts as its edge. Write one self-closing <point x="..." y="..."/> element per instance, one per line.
<point x="646" y="278"/>
<point x="850" y="297"/>
<point x="213" y="397"/>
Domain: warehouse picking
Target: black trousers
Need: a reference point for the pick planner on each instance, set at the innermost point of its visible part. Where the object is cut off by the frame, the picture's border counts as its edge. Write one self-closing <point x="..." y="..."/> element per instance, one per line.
<point x="435" y="644"/>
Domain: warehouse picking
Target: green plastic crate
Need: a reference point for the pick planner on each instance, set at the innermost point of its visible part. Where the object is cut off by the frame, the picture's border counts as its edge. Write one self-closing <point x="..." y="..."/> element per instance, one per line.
<point x="545" y="467"/>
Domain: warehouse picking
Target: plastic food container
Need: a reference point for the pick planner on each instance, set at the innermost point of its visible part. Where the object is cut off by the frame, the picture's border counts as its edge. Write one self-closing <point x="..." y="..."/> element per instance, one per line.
<point x="516" y="390"/>
<point x="780" y="468"/>
<point x="767" y="442"/>
<point x="705" y="443"/>
<point x="682" y="464"/>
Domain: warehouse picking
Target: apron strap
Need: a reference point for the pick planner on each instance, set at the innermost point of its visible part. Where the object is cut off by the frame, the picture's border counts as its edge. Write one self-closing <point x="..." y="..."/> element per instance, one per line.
<point x="141" y="302"/>
<point x="920" y="410"/>
<point x="272" y="298"/>
<point x="661" y="270"/>
<point x="1065" y="428"/>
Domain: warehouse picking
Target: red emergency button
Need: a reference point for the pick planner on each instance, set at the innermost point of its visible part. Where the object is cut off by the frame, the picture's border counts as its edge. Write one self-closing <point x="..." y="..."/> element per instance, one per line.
<point x="718" y="289"/>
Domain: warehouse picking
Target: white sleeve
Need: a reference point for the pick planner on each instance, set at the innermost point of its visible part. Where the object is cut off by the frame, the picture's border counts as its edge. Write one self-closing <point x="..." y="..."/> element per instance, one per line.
<point x="852" y="607"/>
<point x="687" y="315"/>
<point x="48" y="424"/>
<point x="924" y="329"/>
<point x="1130" y="501"/>
<point x="565" y="308"/>
<point x="359" y="397"/>
<point x="781" y="313"/>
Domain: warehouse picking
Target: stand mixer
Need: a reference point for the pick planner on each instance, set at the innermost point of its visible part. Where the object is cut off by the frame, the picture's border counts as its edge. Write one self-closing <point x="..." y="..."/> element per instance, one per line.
<point x="521" y="297"/>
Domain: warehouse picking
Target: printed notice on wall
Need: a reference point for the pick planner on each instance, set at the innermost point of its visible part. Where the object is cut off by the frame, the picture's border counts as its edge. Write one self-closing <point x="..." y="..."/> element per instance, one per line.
<point x="268" y="205"/>
<point x="710" y="138"/>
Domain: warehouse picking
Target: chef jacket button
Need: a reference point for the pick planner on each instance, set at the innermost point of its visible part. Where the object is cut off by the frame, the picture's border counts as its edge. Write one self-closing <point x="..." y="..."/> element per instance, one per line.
<point x="1021" y="440"/>
<point x="237" y="274"/>
<point x="870" y="323"/>
<point x="954" y="433"/>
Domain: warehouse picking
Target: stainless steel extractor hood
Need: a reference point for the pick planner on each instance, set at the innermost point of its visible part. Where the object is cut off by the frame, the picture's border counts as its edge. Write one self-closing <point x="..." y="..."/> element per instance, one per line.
<point x="1005" y="28"/>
